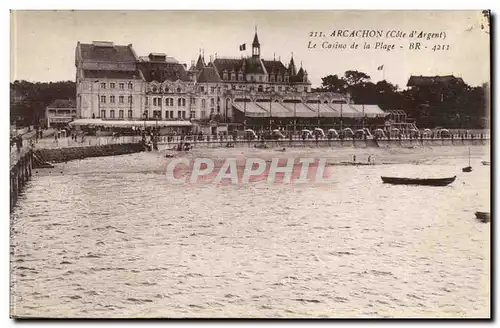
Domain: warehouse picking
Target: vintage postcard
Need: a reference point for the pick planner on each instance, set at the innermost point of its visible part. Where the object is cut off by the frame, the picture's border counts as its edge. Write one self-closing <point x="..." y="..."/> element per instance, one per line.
<point x="250" y="164"/>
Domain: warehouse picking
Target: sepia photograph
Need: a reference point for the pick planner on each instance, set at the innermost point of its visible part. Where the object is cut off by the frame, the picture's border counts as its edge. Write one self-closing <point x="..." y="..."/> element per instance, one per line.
<point x="250" y="164"/>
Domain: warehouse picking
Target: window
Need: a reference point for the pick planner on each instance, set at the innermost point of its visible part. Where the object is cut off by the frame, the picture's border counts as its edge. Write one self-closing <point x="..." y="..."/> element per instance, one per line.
<point x="212" y="102"/>
<point x="171" y="114"/>
<point x="103" y="113"/>
<point x="179" y="114"/>
<point x="129" y="113"/>
<point x="145" y="114"/>
<point x="193" y="101"/>
<point x="154" y="101"/>
<point x="252" y="78"/>
<point x="130" y="99"/>
<point x="212" y="90"/>
<point x="279" y="78"/>
<point x="120" y="113"/>
<point x="233" y="76"/>
<point x="171" y="102"/>
<point x="240" y="77"/>
<point x="279" y="88"/>
<point x="103" y="85"/>
<point x="112" y="99"/>
<point x="130" y="86"/>
<point x="286" y="78"/>
<point x="260" y="78"/>
<point x="183" y="102"/>
<point x="103" y="99"/>
<point x="272" y="78"/>
<point x="224" y="76"/>
<point x="112" y="85"/>
<point x="192" y="114"/>
<point x="167" y="90"/>
<point x="122" y="86"/>
<point x="166" y="114"/>
<point x="147" y="101"/>
<point x="120" y="99"/>
<point x="202" y="89"/>
<point x="112" y="113"/>
<point x="203" y="114"/>
<point x="203" y="103"/>
<point x="184" y="115"/>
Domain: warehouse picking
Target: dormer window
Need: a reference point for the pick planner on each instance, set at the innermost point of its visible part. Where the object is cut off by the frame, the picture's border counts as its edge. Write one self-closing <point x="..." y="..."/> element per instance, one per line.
<point x="279" y="78"/>
<point x="286" y="78"/>
<point x="233" y="76"/>
<point x="240" y="77"/>
<point x="272" y="77"/>
<point x="224" y="75"/>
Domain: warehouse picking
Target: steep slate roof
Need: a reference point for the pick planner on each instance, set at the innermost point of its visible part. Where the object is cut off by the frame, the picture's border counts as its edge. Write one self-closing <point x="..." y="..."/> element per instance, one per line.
<point x="113" y="53"/>
<point x="274" y="66"/>
<point x="299" y="77"/>
<point x="63" y="103"/>
<point x="119" y="75"/>
<point x="429" y="80"/>
<point x="208" y="74"/>
<point x="228" y="64"/>
<point x="253" y="66"/>
<point x="161" y="71"/>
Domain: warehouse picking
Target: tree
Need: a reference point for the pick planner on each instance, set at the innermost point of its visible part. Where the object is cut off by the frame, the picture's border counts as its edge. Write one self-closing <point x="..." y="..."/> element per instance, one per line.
<point x="355" y="78"/>
<point x="332" y="83"/>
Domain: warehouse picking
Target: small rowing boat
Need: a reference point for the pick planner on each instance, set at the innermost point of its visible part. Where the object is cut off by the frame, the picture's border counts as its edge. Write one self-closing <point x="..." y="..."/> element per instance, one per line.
<point x="483" y="216"/>
<point x="486" y="163"/>
<point x="421" y="182"/>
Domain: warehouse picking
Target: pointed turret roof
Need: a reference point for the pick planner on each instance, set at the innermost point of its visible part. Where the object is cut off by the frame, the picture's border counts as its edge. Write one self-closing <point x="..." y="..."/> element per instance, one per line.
<point x="255" y="40"/>
<point x="291" y="66"/>
<point x="200" y="63"/>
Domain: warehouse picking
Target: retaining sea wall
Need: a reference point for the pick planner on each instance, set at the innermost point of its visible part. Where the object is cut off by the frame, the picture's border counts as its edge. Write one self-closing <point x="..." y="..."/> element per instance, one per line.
<point x="59" y="155"/>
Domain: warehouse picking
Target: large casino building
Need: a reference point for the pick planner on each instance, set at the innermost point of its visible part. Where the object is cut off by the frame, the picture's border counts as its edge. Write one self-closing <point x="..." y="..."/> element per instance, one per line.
<point x="115" y="86"/>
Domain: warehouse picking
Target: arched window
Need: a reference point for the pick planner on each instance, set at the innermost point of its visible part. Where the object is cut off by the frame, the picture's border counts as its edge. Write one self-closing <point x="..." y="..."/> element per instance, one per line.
<point x="179" y="102"/>
<point x="171" y="102"/>
<point x="179" y="90"/>
<point x="233" y="76"/>
<point x="183" y="102"/>
<point x="279" y="78"/>
<point x="260" y="89"/>
<point x="154" y="101"/>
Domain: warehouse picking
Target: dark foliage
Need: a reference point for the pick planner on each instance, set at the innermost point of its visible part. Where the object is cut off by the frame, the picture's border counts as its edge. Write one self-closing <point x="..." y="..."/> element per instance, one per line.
<point x="28" y="100"/>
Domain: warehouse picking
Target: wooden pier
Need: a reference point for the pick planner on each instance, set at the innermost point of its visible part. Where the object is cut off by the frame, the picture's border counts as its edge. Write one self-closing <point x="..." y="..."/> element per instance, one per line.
<point x="21" y="164"/>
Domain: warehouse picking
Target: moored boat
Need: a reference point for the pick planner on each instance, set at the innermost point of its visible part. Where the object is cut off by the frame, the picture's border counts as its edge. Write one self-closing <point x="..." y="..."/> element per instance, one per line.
<point x="422" y="182"/>
<point x="483" y="216"/>
<point x="486" y="163"/>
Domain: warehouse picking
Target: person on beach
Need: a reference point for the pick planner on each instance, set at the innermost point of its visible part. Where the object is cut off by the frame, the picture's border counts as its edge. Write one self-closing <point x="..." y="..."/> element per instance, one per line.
<point x="354" y="158"/>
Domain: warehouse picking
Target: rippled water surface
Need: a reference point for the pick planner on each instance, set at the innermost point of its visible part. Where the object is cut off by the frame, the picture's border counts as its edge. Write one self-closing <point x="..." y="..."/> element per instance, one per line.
<point x="109" y="237"/>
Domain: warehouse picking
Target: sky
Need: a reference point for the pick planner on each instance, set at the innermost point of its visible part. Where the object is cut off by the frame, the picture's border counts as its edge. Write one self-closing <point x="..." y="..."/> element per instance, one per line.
<point x="43" y="42"/>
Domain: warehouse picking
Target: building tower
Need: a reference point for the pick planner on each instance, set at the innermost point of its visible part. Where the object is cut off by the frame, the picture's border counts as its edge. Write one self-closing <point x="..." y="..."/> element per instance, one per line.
<point x="255" y="45"/>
